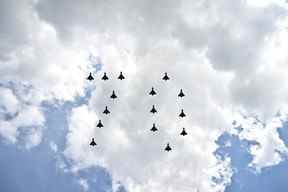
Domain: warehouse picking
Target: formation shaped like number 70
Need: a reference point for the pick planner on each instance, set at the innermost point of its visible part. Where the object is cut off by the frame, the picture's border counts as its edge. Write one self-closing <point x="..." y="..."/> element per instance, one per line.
<point x="153" y="110"/>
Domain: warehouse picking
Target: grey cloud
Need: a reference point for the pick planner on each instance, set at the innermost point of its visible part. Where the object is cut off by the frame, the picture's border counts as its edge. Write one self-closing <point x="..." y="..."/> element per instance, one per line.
<point x="15" y="28"/>
<point x="144" y="17"/>
<point x="231" y="32"/>
<point x="237" y="39"/>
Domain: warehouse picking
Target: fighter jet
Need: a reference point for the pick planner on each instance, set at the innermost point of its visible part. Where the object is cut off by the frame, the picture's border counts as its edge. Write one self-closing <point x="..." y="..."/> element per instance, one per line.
<point x="183" y="133"/>
<point x="93" y="143"/>
<point x="154" y="128"/>
<point x="105" y="78"/>
<point x="181" y="94"/>
<point x="106" y="111"/>
<point x="152" y="92"/>
<point x="165" y="78"/>
<point x="153" y="110"/>
<point x="121" y="76"/>
<point x="168" y="148"/>
<point x="182" y="114"/>
<point x="113" y="96"/>
<point x="90" y="77"/>
<point x="99" y="125"/>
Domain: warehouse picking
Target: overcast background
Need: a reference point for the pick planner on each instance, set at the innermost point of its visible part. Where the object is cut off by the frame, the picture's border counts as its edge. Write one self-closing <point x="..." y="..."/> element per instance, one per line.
<point x="229" y="57"/>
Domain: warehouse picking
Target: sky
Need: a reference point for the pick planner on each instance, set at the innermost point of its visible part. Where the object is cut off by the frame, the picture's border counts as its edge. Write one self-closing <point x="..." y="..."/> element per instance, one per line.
<point x="228" y="56"/>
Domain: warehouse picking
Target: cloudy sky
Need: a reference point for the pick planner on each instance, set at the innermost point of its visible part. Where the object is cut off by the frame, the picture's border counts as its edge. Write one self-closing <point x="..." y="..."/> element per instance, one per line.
<point x="229" y="57"/>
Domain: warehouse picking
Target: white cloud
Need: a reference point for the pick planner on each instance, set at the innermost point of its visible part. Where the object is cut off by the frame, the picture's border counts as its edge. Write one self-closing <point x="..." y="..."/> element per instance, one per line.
<point x="131" y="152"/>
<point x="269" y="145"/>
<point x="8" y="101"/>
<point x="84" y="184"/>
<point x="215" y="51"/>
<point x="8" y="132"/>
<point x="37" y="67"/>
<point x="81" y="129"/>
<point x="37" y="58"/>
<point x="17" y="117"/>
<point x="53" y="147"/>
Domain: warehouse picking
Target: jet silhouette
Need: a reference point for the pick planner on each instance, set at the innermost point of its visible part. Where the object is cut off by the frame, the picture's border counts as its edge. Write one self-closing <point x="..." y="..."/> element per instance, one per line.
<point x="165" y="78"/>
<point x="99" y="125"/>
<point x="153" y="110"/>
<point x="182" y="114"/>
<point x="154" y="128"/>
<point x="93" y="143"/>
<point x="90" y="77"/>
<point x="181" y="94"/>
<point x="113" y="96"/>
<point x="121" y="76"/>
<point x="168" y="148"/>
<point x="105" y="78"/>
<point x="106" y="111"/>
<point x="152" y="92"/>
<point x="183" y="133"/>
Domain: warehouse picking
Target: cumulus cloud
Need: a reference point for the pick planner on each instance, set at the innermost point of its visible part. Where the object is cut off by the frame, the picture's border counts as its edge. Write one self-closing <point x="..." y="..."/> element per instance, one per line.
<point x="213" y="53"/>
<point x="36" y="66"/>
<point x="9" y="102"/>
<point x="233" y="36"/>
<point x="269" y="148"/>
<point x="126" y="138"/>
<point x="17" y="117"/>
<point x="226" y="56"/>
<point x="84" y="184"/>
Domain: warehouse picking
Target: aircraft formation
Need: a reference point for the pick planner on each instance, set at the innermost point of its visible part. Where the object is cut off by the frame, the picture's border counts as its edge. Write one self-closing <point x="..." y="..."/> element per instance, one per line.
<point x="153" y="109"/>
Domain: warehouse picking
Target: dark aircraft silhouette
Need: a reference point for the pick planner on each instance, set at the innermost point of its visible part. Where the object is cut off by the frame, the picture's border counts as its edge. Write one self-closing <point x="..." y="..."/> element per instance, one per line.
<point x="152" y="92"/>
<point x="182" y="114"/>
<point x="153" y="110"/>
<point x="165" y="78"/>
<point x="90" y="77"/>
<point x="105" y="78"/>
<point x="99" y="125"/>
<point x="121" y="76"/>
<point x="183" y="133"/>
<point x="168" y="148"/>
<point x="93" y="143"/>
<point x="113" y="96"/>
<point x="154" y="128"/>
<point x="181" y="94"/>
<point x="106" y="111"/>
